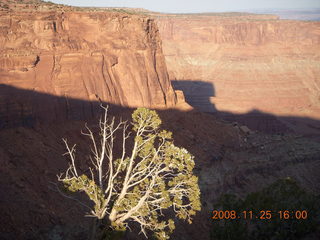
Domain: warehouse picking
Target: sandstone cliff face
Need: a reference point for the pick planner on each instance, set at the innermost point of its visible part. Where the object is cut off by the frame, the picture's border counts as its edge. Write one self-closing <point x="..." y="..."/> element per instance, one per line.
<point x="95" y="56"/>
<point x="266" y="64"/>
<point x="53" y="63"/>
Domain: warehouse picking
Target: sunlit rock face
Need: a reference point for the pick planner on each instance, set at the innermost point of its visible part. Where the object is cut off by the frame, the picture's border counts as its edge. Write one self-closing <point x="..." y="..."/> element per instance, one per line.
<point x="92" y="56"/>
<point x="250" y="62"/>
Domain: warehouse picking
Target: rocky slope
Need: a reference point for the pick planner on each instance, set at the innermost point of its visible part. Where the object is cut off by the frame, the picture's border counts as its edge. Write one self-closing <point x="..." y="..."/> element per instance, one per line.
<point x="228" y="160"/>
<point x="60" y="63"/>
<point x="239" y="64"/>
<point x="79" y="54"/>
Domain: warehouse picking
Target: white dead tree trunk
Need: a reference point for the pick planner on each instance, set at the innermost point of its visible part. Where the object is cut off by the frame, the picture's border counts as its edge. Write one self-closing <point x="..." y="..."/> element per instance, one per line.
<point x="136" y="185"/>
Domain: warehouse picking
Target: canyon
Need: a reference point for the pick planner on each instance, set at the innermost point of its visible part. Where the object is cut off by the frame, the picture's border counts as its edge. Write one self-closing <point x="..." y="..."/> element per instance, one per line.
<point x="241" y="63"/>
<point x="59" y="63"/>
<point x="94" y="56"/>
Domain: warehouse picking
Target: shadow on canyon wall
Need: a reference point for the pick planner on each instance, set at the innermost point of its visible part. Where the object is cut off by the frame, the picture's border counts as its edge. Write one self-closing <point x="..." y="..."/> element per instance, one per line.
<point x="198" y="94"/>
<point x="20" y="107"/>
<point x="31" y="159"/>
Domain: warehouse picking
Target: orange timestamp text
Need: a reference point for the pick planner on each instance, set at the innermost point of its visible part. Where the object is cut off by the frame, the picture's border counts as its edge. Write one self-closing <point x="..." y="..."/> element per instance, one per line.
<point x="262" y="215"/>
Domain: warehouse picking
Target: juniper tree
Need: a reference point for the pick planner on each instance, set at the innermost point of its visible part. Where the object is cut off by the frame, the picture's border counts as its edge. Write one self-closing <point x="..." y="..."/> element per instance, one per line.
<point x="138" y="184"/>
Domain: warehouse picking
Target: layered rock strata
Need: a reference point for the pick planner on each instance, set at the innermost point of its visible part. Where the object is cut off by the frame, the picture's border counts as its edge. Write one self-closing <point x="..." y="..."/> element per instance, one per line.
<point x="240" y="64"/>
<point x="81" y="55"/>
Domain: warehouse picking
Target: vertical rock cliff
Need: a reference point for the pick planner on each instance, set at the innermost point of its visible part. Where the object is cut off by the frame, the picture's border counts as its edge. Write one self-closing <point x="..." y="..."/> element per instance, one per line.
<point x="241" y="63"/>
<point x="81" y="55"/>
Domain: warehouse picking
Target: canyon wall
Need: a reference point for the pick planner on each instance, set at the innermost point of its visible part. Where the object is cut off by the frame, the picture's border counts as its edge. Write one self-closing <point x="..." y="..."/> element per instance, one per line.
<point x="59" y="64"/>
<point x="240" y="64"/>
<point x="84" y="55"/>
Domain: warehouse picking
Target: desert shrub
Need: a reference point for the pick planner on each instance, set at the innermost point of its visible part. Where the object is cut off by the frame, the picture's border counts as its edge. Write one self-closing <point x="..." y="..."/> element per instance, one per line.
<point x="137" y="186"/>
<point x="282" y="195"/>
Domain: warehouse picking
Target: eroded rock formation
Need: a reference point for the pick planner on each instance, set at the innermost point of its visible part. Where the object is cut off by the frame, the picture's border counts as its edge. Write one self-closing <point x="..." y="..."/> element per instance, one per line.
<point x="250" y="63"/>
<point x="56" y="64"/>
<point x="87" y="55"/>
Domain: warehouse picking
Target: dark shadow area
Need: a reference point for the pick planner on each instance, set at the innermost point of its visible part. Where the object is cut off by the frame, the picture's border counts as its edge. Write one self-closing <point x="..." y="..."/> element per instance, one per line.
<point x="27" y="108"/>
<point x="32" y="125"/>
<point x="198" y="94"/>
<point x="272" y="124"/>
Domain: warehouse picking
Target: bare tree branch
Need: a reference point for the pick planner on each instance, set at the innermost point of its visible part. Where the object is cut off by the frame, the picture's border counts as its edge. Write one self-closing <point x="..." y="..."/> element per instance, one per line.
<point x="134" y="185"/>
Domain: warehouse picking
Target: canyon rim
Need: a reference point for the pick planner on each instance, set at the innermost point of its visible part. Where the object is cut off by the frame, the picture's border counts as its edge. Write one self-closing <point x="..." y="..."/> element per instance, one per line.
<point x="239" y="91"/>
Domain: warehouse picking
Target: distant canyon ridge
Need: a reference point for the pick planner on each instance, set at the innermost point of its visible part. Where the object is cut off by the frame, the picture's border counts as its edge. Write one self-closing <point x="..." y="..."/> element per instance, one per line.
<point x="231" y="63"/>
<point x="245" y="63"/>
<point x="58" y="63"/>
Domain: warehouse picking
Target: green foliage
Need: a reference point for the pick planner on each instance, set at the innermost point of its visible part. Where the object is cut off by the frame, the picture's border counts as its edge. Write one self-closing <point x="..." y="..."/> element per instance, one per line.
<point x="154" y="176"/>
<point x="84" y="184"/>
<point x="112" y="234"/>
<point x="146" y="118"/>
<point x="279" y="196"/>
<point x="158" y="150"/>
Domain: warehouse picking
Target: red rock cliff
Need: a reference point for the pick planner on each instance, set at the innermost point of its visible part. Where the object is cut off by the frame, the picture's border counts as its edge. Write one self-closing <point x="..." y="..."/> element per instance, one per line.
<point x="108" y="56"/>
<point x="251" y="62"/>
